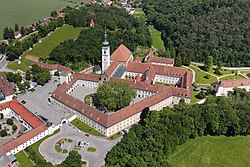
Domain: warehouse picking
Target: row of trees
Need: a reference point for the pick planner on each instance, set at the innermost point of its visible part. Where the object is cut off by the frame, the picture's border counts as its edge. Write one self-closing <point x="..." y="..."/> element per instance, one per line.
<point x="158" y="134"/>
<point x="198" y="29"/>
<point x="14" y="51"/>
<point x="122" y="28"/>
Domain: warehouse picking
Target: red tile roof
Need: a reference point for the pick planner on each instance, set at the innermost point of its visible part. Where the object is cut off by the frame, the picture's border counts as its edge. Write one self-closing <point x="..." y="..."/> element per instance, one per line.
<point x="22" y="139"/>
<point x="5" y="86"/>
<point x="138" y="78"/>
<point x="91" y="22"/>
<point x="162" y="60"/>
<point x="52" y="66"/>
<point x="110" y="119"/>
<point x="121" y="54"/>
<point x="111" y="69"/>
<point x="88" y="77"/>
<point x="234" y="83"/>
<point x="30" y="118"/>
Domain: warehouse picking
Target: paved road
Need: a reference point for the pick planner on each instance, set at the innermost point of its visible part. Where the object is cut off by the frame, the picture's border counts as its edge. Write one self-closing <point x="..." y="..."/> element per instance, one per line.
<point x="94" y="159"/>
<point x="228" y="68"/>
<point x="37" y="102"/>
<point x="26" y="36"/>
<point x="3" y="65"/>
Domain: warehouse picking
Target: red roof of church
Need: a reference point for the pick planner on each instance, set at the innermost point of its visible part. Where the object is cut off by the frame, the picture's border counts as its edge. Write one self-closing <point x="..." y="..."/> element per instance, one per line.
<point x="5" y="86"/>
<point x="121" y="54"/>
<point x="91" y="22"/>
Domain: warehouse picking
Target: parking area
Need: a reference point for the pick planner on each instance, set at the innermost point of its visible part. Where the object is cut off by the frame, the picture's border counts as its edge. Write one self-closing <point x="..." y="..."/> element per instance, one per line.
<point x="94" y="159"/>
<point x="37" y="102"/>
<point x="82" y="91"/>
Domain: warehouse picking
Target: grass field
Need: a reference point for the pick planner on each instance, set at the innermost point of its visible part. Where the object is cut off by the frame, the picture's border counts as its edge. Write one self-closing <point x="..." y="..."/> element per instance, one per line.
<point x="86" y="128"/>
<point x="210" y="151"/>
<point x="156" y="37"/>
<point x="23" y="160"/>
<point x="47" y="45"/>
<point x="232" y="77"/>
<point x="44" y="48"/>
<point x="200" y="76"/>
<point x="26" y="12"/>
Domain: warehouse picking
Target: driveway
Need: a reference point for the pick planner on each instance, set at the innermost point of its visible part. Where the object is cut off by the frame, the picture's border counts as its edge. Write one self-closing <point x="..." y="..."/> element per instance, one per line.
<point x="94" y="159"/>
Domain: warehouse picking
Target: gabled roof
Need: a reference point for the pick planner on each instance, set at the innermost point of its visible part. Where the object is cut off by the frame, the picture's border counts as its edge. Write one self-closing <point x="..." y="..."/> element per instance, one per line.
<point x="110" y="119"/>
<point x="234" y="83"/>
<point x="161" y="60"/>
<point x="5" y="86"/>
<point x="52" y="66"/>
<point x="121" y="54"/>
<point x="91" y="22"/>
<point x="26" y="115"/>
<point x="111" y="69"/>
<point x="22" y="139"/>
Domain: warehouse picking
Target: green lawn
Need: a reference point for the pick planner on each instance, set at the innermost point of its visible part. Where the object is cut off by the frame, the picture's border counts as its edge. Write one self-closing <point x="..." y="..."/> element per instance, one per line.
<point x="26" y="12"/>
<point x="86" y="128"/>
<point x="23" y="160"/>
<point x="44" y="48"/>
<point x="91" y="149"/>
<point x="58" y="148"/>
<point x="4" y="73"/>
<point x="193" y="98"/>
<point x="200" y="76"/>
<point x="232" y="77"/>
<point x="213" y="152"/>
<point x="47" y="45"/>
<point x="115" y="136"/>
<point x="156" y="37"/>
<point x="23" y="66"/>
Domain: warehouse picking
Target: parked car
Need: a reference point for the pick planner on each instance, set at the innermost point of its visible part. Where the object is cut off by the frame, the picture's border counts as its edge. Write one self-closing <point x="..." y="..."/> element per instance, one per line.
<point x="87" y="135"/>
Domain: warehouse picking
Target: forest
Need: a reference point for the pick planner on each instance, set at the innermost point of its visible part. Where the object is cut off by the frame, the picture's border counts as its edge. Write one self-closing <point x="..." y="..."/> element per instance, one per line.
<point x="159" y="133"/>
<point x="121" y="28"/>
<point x="198" y="29"/>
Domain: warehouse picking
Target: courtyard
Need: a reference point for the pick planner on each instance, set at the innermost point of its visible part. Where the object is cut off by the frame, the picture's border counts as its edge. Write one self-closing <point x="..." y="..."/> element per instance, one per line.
<point x="13" y="130"/>
<point x="82" y="91"/>
<point x="93" y="150"/>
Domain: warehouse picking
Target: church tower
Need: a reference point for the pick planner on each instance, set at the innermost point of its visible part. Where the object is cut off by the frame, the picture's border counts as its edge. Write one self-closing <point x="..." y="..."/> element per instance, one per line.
<point x="105" y="53"/>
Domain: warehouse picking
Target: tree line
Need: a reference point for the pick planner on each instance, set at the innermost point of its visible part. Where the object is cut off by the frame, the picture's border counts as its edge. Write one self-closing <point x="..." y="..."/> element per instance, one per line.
<point x="198" y="29"/>
<point x="14" y="51"/>
<point x="159" y="133"/>
<point x="121" y="28"/>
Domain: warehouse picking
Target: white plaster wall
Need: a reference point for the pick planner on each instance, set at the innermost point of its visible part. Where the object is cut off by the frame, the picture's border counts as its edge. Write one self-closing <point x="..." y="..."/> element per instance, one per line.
<point x="167" y="79"/>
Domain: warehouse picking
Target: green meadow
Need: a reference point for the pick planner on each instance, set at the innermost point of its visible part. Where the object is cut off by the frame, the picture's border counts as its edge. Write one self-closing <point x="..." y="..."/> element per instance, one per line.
<point x="211" y="151"/>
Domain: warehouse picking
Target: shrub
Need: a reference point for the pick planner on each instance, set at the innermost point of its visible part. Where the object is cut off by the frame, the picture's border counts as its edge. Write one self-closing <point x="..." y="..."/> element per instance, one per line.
<point x="9" y="121"/>
<point x="3" y="133"/>
<point x="14" y="127"/>
<point x="201" y="95"/>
